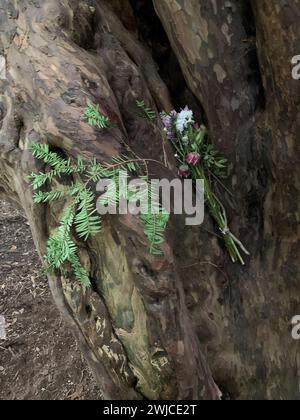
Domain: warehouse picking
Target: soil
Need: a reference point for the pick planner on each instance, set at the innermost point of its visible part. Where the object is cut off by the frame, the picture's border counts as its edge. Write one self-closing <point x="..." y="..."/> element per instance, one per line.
<point x="39" y="359"/>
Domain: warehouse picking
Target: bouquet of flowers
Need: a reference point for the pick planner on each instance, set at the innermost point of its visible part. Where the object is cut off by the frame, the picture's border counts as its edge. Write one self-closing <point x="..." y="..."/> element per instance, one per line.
<point x="198" y="159"/>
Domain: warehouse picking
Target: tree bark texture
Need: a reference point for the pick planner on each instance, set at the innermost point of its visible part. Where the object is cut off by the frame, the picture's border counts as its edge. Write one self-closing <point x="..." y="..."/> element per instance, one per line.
<point x="191" y="325"/>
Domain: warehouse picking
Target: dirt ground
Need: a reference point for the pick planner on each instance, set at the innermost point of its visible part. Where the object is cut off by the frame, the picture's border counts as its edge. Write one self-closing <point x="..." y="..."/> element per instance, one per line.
<point x="39" y="358"/>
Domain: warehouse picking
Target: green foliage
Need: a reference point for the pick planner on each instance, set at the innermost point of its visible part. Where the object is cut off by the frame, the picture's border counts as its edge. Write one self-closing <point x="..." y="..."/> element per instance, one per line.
<point x="154" y="228"/>
<point x="126" y="164"/>
<point x="95" y="117"/>
<point x="79" y="271"/>
<point x="62" y="249"/>
<point x="211" y="160"/>
<point x="42" y="152"/>
<point x="47" y="197"/>
<point x="145" y="111"/>
<point x="87" y="222"/>
<point x="153" y="216"/>
<point x="59" y="166"/>
<point x="96" y="171"/>
<point x="80" y="216"/>
<point x="60" y="246"/>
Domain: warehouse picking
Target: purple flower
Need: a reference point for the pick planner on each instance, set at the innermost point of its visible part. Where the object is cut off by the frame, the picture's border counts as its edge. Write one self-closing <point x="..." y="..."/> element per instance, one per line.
<point x="184" y="171"/>
<point x="193" y="159"/>
<point x="168" y="122"/>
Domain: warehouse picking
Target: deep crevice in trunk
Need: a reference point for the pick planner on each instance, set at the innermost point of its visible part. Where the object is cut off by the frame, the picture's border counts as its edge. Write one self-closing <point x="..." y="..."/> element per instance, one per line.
<point x="153" y="35"/>
<point x="254" y="77"/>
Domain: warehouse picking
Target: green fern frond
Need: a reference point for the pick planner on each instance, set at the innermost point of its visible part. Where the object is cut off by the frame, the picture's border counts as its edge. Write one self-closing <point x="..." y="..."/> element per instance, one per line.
<point x="87" y="223"/>
<point x="111" y="196"/>
<point x="154" y="229"/>
<point x="111" y="170"/>
<point x="60" y="166"/>
<point x="125" y="163"/>
<point x="59" y="250"/>
<point x="81" y="213"/>
<point x="67" y="220"/>
<point x="60" y="246"/>
<point x="46" y="197"/>
<point x="98" y="171"/>
<point x="42" y="152"/>
<point x="75" y="190"/>
<point x="94" y="116"/>
<point x="95" y="174"/>
<point x="145" y="111"/>
<point x="62" y="249"/>
<point x="40" y="179"/>
<point x="79" y="271"/>
<point x="155" y="219"/>
<point x="80" y="166"/>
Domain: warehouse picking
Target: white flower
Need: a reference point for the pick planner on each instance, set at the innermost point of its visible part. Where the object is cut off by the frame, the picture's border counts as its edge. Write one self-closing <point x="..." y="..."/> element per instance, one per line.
<point x="184" y="118"/>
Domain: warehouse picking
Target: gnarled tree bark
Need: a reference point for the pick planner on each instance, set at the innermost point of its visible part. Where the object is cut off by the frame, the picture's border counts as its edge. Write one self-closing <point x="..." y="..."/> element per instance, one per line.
<point x="190" y="325"/>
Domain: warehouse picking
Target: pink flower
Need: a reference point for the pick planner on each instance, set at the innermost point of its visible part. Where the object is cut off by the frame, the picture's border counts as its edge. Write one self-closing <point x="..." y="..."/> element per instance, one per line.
<point x="193" y="159"/>
<point x="184" y="171"/>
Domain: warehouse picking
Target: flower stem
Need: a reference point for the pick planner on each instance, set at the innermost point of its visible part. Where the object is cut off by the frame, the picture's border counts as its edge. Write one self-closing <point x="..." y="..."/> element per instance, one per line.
<point x="217" y="211"/>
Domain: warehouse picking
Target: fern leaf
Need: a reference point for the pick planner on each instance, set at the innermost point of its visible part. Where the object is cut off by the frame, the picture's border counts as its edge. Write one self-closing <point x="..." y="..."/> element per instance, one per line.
<point x="79" y="271"/>
<point x="145" y="111"/>
<point x="80" y="167"/>
<point x="37" y="180"/>
<point x="76" y="189"/>
<point x="42" y="152"/>
<point x="46" y="197"/>
<point x="154" y="229"/>
<point x="87" y="223"/>
<point x="60" y="246"/>
<point x="81" y="214"/>
<point x="60" y="166"/>
<point x="95" y="117"/>
<point x="62" y="249"/>
<point x="155" y="220"/>
<point x="96" y="172"/>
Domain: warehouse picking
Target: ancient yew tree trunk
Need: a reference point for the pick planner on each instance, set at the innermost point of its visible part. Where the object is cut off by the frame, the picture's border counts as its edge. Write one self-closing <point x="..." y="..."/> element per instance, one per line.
<point x="190" y="325"/>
